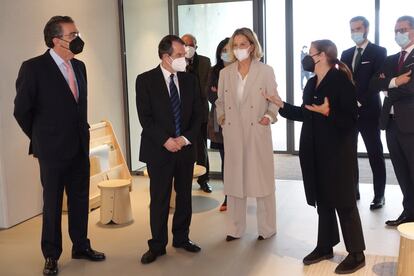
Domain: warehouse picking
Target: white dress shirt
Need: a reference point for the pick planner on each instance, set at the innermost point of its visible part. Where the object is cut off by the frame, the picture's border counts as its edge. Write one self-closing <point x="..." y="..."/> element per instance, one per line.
<point x="392" y="82"/>
<point x="167" y="79"/>
<point x="363" y="46"/>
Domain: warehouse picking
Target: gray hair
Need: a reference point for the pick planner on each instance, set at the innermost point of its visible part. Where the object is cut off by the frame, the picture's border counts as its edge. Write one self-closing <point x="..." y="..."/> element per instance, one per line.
<point x="407" y="18"/>
<point x="192" y="38"/>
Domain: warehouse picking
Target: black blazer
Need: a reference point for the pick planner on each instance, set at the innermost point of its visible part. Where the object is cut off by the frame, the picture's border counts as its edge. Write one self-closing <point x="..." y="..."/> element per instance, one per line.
<point x="328" y="145"/>
<point x="201" y="67"/>
<point x="371" y="61"/>
<point x="157" y="119"/>
<point x="402" y="98"/>
<point x="47" y="112"/>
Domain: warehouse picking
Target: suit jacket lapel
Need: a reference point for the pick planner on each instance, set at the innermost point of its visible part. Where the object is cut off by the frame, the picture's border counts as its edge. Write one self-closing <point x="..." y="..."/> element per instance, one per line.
<point x="56" y="71"/>
<point x="163" y="91"/>
<point x="409" y="62"/>
<point x="80" y="79"/>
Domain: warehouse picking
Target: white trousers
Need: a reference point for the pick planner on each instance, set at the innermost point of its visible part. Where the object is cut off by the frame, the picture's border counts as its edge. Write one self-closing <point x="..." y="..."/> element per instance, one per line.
<point x="266" y="216"/>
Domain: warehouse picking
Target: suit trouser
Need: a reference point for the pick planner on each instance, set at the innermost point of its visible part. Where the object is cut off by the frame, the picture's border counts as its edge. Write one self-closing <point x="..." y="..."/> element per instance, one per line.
<point x="161" y="179"/>
<point x="371" y="134"/>
<point x="266" y="215"/>
<point x="328" y="233"/>
<point x="202" y="153"/>
<point x="401" y="147"/>
<point x="73" y="175"/>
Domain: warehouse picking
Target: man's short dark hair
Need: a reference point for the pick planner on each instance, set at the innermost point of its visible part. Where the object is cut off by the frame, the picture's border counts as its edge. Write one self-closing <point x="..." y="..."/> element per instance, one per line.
<point x="365" y="22"/>
<point x="165" y="46"/>
<point x="408" y="18"/>
<point x="53" y="28"/>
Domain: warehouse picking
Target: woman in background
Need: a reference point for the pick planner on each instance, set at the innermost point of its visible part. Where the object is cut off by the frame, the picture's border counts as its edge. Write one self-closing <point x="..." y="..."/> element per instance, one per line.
<point x="214" y="129"/>
<point x="328" y="153"/>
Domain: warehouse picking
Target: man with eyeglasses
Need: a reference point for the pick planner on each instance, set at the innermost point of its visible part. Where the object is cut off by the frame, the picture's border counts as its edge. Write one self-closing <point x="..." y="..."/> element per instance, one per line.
<point x="51" y="109"/>
<point x="395" y="78"/>
<point x="199" y="66"/>
<point x="364" y="60"/>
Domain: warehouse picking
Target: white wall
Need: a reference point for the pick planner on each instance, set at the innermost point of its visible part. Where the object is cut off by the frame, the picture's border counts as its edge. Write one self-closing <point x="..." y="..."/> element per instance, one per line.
<point x="146" y="22"/>
<point x="21" y="30"/>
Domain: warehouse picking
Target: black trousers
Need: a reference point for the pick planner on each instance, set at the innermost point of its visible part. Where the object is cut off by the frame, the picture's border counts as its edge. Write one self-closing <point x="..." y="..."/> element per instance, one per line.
<point x="73" y="175"/>
<point x="202" y="154"/>
<point x="371" y="134"/>
<point x="328" y="233"/>
<point x="180" y="171"/>
<point x="401" y="147"/>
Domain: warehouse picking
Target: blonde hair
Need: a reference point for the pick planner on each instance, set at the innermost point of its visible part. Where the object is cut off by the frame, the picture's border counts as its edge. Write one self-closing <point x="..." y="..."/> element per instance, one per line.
<point x="251" y="36"/>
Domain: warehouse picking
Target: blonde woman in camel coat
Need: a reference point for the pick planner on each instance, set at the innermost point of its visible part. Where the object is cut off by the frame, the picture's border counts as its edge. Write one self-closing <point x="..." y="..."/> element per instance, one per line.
<point x="245" y="116"/>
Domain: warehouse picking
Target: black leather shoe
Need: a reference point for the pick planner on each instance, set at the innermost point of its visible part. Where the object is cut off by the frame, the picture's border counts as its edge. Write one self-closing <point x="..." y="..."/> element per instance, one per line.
<point x="400" y="220"/>
<point x="317" y="255"/>
<point x="188" y="246"/>
<point x="377" y="203"/>
<point x="88" y="254"/>
<point x="231" y="238"/>
<point x="351" y="263"/>
<point x="151" y="256"/>
<point x="206" y="187"/>
<point x="51" y="267"/>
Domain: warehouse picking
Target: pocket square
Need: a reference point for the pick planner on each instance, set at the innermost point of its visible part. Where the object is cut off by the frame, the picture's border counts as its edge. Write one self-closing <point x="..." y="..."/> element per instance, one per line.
<point x="365" y="62"/>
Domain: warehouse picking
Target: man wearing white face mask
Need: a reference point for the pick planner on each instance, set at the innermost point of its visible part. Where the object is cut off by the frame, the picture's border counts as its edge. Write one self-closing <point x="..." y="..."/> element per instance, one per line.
<point x="395" y="78"/>
<point x="168" y="104"/>
<point x="199" y="66"/>
<point x="364" y="60"/>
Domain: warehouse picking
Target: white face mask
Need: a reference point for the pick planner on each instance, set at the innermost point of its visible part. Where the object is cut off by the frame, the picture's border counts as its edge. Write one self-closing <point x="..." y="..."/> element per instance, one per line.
<point x="189" y="51"/>
<point x="178" y="64"/>
<point x="358" y="38"/>
<point x="402" y="39"/>
<point x="241" y="54"/>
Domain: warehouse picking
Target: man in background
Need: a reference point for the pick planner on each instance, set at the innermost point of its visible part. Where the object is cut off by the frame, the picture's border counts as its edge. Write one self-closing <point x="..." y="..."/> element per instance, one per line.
<point x="199" y="66"/>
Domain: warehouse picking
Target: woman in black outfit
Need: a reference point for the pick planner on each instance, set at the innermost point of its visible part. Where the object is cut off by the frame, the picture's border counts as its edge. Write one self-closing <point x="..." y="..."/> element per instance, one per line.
<point x="328" y="153"/>
<point x="213" y="128"/>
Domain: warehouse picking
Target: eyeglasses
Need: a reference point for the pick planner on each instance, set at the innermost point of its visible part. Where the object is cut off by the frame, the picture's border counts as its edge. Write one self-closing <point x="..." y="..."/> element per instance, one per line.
<point x="72" y="35"/>
<point x="402" y="30"/>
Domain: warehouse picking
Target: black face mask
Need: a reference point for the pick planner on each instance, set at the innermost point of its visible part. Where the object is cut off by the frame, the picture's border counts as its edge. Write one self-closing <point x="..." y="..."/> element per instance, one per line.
<point x="308" y="63"/>
<point x="76" y="45"/>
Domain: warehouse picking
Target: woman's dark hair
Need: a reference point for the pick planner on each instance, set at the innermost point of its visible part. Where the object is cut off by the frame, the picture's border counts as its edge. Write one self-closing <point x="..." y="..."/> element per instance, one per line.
<point x="219" y="62"/>
<point x="331" y="52"/>
<point x="165" y="46"/>
<point x="53" y="28"/>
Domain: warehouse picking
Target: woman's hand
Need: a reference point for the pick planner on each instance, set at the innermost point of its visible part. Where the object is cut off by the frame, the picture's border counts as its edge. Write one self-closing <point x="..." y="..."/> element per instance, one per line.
<point x="322" y="109"/>
<point x="273" y="99"/>
<point x="265" y="121"/>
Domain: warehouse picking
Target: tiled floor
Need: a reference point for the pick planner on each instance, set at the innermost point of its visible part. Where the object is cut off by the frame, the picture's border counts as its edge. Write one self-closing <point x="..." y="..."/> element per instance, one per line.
<point x="281" y="255"/>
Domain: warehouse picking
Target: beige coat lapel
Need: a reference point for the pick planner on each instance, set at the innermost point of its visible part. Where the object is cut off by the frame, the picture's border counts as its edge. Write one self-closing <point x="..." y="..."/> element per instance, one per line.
<point x="251" y="77"/>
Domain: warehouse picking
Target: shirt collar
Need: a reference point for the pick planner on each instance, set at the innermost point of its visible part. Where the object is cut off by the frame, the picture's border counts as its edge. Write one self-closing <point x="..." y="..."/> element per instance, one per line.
<point x="409" y="50"/>
<point x="167" y="73"/>
<point x="363" y="46"/>
<point x="59" y="61"/>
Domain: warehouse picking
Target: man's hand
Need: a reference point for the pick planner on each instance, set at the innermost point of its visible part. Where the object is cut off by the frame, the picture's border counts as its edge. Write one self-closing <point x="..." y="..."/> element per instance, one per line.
<point x="171" y="145"/>
<point x="323" y="108"/>
<point x="180" y="141"/>
<point x="213" y="89"/>
<point x="403" y="79"/>
<point x="264" y="121"/>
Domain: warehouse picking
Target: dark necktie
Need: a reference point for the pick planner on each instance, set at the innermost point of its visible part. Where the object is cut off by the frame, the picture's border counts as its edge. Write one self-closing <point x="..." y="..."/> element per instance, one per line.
<point x="401" y="60"/>
<point x="175" y="105"/>
<point x="357" y="59"/>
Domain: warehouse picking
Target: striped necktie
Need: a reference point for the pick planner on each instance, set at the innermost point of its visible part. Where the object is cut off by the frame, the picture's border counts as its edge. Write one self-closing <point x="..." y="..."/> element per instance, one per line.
<point x="175" y="105"/>
<point x="401" y="60"/>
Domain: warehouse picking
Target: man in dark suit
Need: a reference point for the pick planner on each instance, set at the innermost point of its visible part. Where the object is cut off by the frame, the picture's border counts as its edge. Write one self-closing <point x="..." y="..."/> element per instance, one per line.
<point x="168" y="104"/>
<point x="51" y="109"/>
<point x="199" y="66"/>
<point x="395" y="78"/>
<point x="365" y="59"/>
